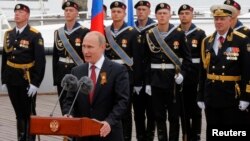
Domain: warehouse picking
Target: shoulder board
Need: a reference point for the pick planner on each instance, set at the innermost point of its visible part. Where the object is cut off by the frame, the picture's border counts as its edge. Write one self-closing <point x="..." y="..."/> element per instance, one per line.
<point x="9" y="29"/>
<point x="239" y="34"/>
<point x="34" y="30"/>
<point x="178" y="29"/>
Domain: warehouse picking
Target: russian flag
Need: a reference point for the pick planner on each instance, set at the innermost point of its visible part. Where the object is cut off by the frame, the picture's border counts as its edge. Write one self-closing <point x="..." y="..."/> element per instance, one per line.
<point x="130" y="16"/>
<point x="97" y="16"/>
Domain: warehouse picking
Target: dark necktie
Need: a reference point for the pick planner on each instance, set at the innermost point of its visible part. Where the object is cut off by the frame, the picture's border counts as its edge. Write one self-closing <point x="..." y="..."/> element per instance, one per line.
<point x="17" y="34"/>
<point x="93" y="78"/>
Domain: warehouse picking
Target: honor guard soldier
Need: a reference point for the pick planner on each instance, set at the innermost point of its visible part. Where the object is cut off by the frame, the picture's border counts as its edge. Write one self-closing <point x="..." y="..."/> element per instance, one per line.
<point x="225" y="79"/>
<point x="23" y="67"/>
<point x="165" y="72"/>
<point x="191" y="121"/>
<point x="67" y="50"/>
<point x="142" y="102"/>
<point x="236" y="24"/>
<point x="122" y="48"/>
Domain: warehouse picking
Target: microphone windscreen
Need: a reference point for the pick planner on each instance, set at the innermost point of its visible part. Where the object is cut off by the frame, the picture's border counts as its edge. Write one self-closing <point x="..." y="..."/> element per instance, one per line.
<point x="86" y="85"/>
<point x="70" y="82"/>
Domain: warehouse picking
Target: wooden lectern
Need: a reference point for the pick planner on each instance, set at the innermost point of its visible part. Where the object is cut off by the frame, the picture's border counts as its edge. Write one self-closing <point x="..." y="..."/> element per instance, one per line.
<point x="77" y="127"/>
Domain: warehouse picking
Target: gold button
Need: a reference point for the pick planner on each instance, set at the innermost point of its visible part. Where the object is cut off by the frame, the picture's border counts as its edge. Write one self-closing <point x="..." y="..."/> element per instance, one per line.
<point x="14" y="48"/>
<point x="223" y="73"/>
<point x="66" y="66"/>
<point x="217" y="77"/>
<point x="223" y="67"/>
<point x="213" y="67"/>
<point x="13" y="57"/>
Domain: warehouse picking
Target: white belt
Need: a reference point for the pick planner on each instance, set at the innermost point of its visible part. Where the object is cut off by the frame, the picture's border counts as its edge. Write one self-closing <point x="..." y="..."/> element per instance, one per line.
<point x="196" y="60"/>
<point x="66" y="60"/>
<point x="162" y="66"/>
<point x="119" y="61"/>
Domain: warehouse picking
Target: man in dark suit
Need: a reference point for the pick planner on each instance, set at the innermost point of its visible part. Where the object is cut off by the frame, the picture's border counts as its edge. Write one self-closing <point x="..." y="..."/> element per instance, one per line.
<point x="224" y="82"/>
<point x="23" y="67"/>
<point x="109" y="100"/>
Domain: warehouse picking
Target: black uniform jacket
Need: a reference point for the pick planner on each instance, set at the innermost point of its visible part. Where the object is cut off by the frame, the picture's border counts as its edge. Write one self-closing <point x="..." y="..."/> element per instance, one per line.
<point x="126" y="39"/>
<point x="232" y="60"/>
<point x="194" y="38"/>
<point x="164" y="78"/>
<point x="75" y="38"/>
<point x="110" y="99"/>
<point x="141" y="39"/>
<point x="25" y="48"/>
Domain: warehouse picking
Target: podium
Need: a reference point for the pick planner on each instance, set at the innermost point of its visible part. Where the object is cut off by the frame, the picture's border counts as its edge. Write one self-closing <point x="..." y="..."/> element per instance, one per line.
<point x="75" y="127"/>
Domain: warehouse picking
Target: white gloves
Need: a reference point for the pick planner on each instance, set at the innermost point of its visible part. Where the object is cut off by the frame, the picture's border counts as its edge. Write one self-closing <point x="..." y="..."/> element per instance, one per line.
<point x="4" y="88"/>
<point x="148" y="90"/>
<point x="243" y="105"/>
<point x="201" y="105"/>
<point x="137" y="89"/>
<point x="32" y="90"/>
<point x="178" y="78"/>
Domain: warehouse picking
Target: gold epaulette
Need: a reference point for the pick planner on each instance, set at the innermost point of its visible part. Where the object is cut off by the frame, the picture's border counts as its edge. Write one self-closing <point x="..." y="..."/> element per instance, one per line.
<point x="239" y="34"/>
<point x="34" y="30"/>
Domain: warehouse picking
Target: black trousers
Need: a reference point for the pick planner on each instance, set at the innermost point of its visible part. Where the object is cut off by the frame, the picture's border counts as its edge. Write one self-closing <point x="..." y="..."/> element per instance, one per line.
<point x="24" y="106"/>
<point x="222" y="119"/>
<point x="166" y="103"/>
<point x="191" y="113"/>
<point x="127" y="119"/>
<point x="143" y="116"/>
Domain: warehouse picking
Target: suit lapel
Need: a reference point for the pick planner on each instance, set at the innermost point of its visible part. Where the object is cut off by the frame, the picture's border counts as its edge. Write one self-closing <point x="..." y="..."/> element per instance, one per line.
<point x="106" y="69"/>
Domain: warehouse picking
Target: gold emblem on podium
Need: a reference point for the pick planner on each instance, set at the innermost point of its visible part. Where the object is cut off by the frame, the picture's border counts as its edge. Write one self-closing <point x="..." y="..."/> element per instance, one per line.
<point x="54" y="126"/>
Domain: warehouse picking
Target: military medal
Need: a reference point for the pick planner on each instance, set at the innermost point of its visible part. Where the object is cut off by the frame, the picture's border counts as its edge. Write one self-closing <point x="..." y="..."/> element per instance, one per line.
<point x="124" y="43"/>
<point x="103" y="78"/>
<point x="176" y="44"/>
<point x="139" y="39"/>
<point x="232" y="53"/>
<point x="78" y="42"/>
<point x="194" y="43"/>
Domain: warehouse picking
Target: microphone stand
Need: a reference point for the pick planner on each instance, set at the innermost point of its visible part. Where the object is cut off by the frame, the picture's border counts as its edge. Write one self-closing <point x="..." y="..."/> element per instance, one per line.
<point x="51" y="114"/>
<point x="73" y="103"/>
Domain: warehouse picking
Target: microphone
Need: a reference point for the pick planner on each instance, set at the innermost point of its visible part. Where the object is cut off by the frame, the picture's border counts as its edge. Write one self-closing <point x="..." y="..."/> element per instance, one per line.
<point x="85" y="86"/>
<point x="69" y="83"/>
